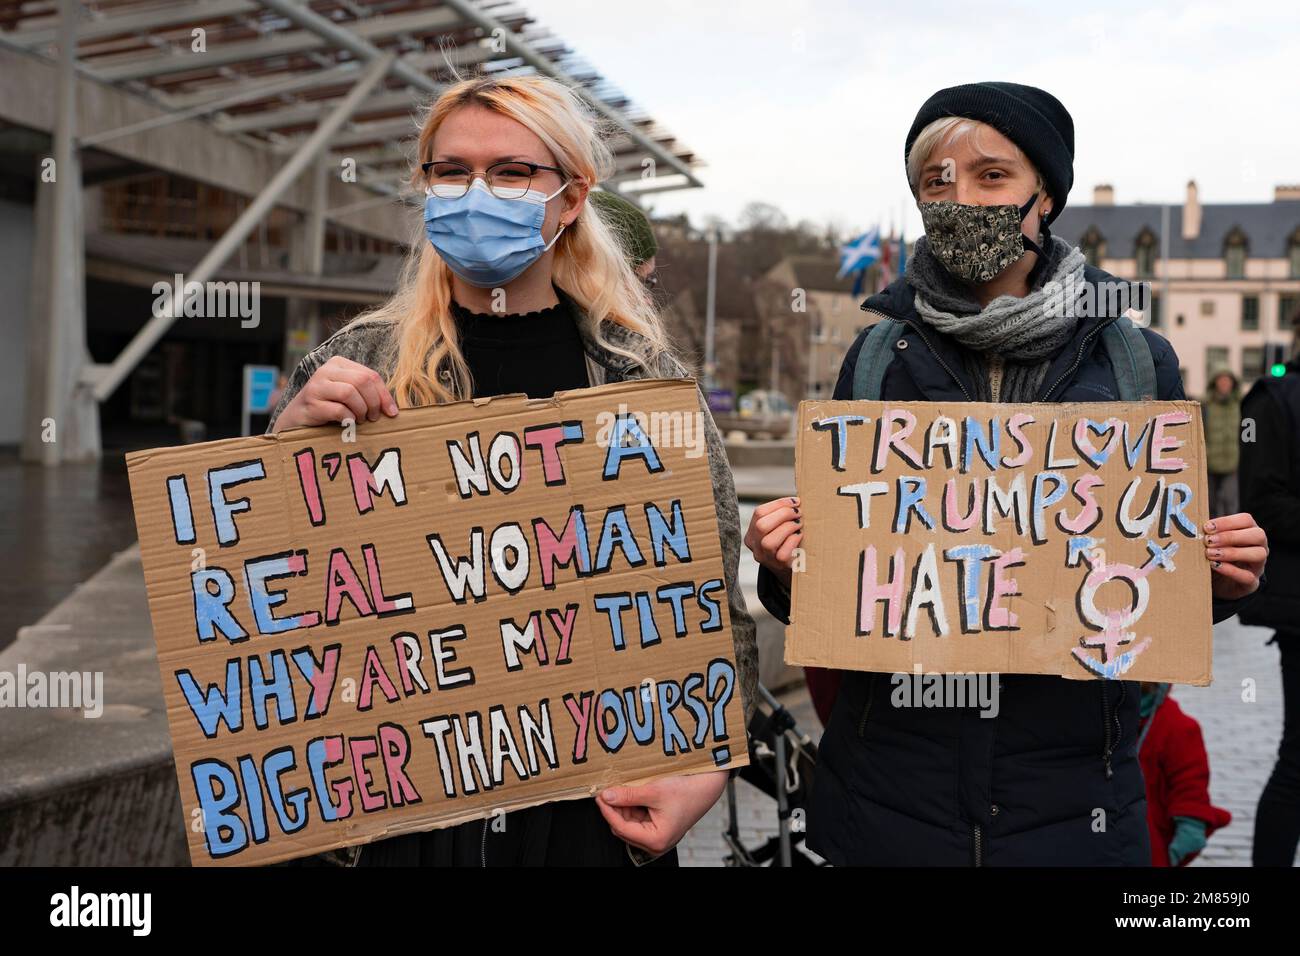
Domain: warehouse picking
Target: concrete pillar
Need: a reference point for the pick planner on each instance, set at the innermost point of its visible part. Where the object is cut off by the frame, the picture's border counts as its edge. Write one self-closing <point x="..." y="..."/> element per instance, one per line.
<point x="61" y="419"/>
<point x="302" y="327"/>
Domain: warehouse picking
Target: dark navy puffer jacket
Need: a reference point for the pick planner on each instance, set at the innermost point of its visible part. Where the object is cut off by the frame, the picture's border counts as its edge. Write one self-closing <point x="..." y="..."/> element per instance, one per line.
<point x="1053" y="779"/>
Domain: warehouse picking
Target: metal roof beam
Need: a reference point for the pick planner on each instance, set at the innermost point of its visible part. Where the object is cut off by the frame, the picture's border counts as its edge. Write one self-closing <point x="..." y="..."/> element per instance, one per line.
<point x="217" y="104"/>
<point x="381" y="155"/>
<point x="141" y="22"/>
<point x="252" y="89"/>
<point x="469" y="11"/>
<point x="311" y="37"/>
<point x="105" y="380"/>
<point x="357" y="41"/>
<point x="306" y="111"/>
<point x="662" y="184"/>
<point x="378" y="131"/>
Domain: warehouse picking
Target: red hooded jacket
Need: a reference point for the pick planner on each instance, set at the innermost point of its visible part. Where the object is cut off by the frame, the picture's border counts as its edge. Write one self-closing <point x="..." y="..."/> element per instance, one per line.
<point x="1177" y="773"/>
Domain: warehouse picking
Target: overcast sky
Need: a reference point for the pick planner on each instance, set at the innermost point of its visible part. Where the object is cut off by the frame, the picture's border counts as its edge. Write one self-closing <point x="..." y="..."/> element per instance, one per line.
<point x="805" y="103"/>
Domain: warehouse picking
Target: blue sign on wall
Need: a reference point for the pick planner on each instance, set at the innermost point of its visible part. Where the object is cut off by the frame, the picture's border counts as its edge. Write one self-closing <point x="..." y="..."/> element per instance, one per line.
<point x="259" y="383"/>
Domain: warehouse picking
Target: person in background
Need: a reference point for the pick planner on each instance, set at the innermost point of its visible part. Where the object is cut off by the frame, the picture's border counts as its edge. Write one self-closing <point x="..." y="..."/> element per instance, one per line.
<point x="281" y="380"/>
<point x="1176" y="769"/>
<point x="1221" y="411"/>
<point x="630" y="224"/>
<point x="1270" y="488"/>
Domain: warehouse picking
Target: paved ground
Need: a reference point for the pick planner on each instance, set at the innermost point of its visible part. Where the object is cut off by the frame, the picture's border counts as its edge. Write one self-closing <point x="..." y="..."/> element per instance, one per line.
<point x="1241" y="738"/>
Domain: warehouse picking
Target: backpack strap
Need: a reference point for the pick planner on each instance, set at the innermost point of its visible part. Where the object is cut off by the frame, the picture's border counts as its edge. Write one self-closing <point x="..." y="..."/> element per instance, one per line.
<point x="874" y="358"/>
<point x="1130" y="358"/>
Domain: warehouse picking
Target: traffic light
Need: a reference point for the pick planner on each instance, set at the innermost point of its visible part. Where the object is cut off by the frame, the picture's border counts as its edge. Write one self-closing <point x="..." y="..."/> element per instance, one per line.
<point x="1275" y="359"/>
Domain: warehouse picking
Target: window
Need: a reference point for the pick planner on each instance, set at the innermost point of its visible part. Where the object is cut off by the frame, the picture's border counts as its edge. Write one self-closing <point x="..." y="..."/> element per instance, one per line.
<point x="1093" y="246"/>
<point x="1207" y="307"/>
<point x="1144" y="254"/>
<point x="1155" y="311"/>
<point x="1234" y="253"/>
<point x="1216" y="357"/>
<point x="1250" y="313"/>
<point x="1293" y="254"/>
<point x="1286" y="310"/>
<point x="1252" y="362"/>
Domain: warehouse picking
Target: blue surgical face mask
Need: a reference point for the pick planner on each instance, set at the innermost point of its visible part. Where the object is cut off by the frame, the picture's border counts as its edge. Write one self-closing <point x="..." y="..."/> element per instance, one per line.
<point x="484" y="239"/>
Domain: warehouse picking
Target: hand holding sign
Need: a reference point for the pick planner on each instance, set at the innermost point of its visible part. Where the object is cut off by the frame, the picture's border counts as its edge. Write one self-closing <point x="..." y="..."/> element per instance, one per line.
<point x="775" y="530"/>
<point x="1237" y="548"/>
<point x="339" y="390"/>
<point x="655" y="816"/>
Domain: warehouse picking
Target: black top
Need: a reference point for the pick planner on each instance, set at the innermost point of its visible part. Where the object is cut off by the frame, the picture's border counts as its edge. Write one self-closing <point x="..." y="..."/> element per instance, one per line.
<point x="537" y="353"/>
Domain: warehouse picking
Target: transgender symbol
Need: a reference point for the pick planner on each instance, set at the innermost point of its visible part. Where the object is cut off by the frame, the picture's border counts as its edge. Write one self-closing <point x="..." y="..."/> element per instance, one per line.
<point x="1114" y="627"/>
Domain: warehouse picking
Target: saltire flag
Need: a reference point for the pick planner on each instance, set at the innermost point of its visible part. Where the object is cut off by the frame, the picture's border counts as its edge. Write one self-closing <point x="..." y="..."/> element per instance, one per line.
<point x="857" y="255"/>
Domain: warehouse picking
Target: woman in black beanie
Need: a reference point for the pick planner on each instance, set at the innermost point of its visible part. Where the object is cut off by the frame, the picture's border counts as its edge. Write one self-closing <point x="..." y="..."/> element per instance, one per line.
<point x="1049" y="775"/>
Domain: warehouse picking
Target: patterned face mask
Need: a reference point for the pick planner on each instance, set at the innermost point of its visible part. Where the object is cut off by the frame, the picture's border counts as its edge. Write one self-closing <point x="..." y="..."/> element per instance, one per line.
<point x="975" y="243"/>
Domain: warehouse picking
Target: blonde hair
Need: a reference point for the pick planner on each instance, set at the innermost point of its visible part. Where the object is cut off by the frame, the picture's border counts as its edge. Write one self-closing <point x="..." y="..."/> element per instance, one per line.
<point x="951" y="129"/>
<point x="428" y="365"/>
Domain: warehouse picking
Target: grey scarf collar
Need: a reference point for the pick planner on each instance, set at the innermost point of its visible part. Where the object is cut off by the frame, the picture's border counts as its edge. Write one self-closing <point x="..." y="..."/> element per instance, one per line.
<point x="1018" y="332"/>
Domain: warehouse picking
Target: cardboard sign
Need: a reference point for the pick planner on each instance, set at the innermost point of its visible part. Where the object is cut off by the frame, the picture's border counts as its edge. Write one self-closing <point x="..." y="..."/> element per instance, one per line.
<point x="483" y="605"/>
<point x="974" y="538"/>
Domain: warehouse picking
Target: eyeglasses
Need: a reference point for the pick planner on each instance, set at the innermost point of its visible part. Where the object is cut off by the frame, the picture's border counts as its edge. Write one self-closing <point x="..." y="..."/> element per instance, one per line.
<point x="504" y="180"/>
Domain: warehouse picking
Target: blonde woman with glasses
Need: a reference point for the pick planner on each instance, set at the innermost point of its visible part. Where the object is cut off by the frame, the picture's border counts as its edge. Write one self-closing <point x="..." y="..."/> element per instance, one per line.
<point x="506" y="164"/>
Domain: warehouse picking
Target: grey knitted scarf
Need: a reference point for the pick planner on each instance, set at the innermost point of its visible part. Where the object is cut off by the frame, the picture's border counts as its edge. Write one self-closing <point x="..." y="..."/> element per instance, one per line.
<point x="1017" y="330"/>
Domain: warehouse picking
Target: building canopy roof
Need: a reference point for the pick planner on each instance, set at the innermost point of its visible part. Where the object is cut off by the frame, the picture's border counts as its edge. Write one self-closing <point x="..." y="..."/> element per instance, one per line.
<point x="268" y="70"/>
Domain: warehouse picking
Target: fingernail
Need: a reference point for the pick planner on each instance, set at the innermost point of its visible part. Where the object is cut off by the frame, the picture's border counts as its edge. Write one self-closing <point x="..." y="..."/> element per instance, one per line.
<point x="1209" y="526"/>
<point x="1212" y="539"/>
<point x="1214" y="553"/>
<point x="1217" y="563"/>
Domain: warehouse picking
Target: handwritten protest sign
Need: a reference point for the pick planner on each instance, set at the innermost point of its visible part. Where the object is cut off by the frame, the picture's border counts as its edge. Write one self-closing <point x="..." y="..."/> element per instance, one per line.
<point x="483" y="605"/>
<point x="971" y="538"/>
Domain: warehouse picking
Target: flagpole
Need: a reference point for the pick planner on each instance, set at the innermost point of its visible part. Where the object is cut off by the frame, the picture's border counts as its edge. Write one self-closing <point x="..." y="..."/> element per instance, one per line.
<point x="711" y="298"/>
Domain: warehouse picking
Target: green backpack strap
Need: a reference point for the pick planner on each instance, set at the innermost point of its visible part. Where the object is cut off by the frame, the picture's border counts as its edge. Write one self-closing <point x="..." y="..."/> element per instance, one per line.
<point x="874" y="358"/>
<point x="1130" y="357"/>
